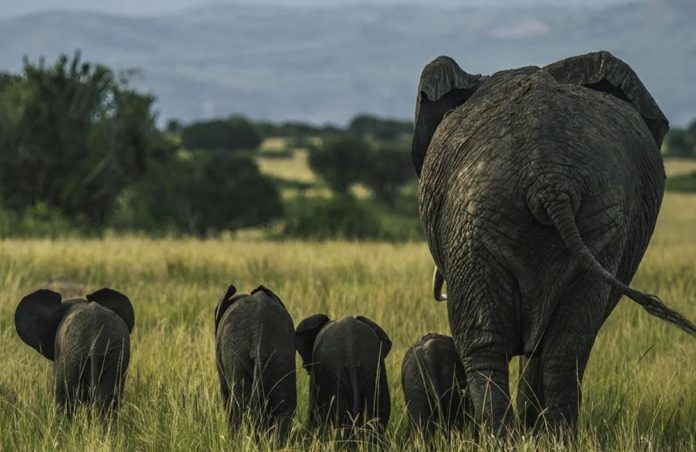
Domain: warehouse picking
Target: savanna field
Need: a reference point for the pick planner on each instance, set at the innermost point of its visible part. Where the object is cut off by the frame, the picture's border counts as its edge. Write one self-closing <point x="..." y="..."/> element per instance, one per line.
<point x="639" y="388"/>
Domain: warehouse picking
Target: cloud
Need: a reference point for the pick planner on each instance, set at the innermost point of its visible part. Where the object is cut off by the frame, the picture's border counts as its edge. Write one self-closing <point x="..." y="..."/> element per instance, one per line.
<point x="521" y="29"/>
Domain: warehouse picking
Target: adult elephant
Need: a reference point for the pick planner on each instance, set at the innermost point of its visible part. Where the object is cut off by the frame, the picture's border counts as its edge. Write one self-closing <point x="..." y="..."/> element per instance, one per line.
<point x="539" y="191"/>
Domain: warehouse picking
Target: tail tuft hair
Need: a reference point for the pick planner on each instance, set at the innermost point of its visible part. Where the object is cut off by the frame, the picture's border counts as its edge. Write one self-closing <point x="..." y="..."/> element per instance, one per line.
<point x="656" y="307"/>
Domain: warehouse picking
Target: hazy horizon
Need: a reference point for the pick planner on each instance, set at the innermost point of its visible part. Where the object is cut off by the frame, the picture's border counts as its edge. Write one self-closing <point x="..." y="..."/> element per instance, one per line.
<point x="325" y="65"/>
<point x="12" y="8"/>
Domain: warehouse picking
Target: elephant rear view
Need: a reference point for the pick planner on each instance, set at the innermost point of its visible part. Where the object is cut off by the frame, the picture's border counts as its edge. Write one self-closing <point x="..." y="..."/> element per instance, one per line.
<point x="348" y="380"/>
<point x="255" y="355"/>
<point x="434" y="385"/>
<point x="539" y="191"/>
<point x="88" y="341"/>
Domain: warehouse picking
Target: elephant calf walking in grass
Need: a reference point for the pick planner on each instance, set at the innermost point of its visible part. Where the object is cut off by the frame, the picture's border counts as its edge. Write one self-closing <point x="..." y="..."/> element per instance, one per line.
<point x="88" y="341"/>
<point x="539" y="189"/>
<point x="434" y="385"/>
<point x="348" y="380"/>
<point x="255" y="354"/>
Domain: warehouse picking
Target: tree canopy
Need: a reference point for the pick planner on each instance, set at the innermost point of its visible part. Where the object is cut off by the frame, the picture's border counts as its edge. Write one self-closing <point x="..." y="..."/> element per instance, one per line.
<point x="232" y="134"/>
<point x="72" y="136"/>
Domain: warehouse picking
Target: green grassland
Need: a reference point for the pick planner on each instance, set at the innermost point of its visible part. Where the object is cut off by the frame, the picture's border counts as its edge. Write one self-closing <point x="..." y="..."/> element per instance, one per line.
<point x="639" y="388"/>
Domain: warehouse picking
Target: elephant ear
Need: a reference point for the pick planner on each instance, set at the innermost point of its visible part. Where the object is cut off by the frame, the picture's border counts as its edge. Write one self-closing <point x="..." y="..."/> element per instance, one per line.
<point x="443" y="85"/>
<point x="305" y="335"/>
<point x="224" y="304"/>
<point x="269" y="292"/>
<point x="386" y="342"/>
<point x="37" y="318"/>
<point x="117" y="302"/>
<point x="602" y="71"/>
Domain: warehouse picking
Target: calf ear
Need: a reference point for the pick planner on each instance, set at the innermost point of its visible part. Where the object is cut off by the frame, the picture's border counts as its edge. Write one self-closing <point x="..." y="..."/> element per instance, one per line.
<point x="305" y="335"/>
<point x="115" y="301"/>
<point x="602" y="71"/>
<point x="37" y="318"/>
<point x="268" y="292"/>
<point x="386" y="342"/>
<point x="225" y="302"/>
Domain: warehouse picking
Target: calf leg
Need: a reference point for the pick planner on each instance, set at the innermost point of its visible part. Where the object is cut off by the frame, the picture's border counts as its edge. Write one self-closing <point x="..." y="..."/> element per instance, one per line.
<point x="280" y="394"/>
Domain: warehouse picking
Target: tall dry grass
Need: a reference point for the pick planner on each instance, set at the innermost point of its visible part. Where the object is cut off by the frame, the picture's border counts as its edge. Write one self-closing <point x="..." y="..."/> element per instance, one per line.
<point x="639" y="390"/>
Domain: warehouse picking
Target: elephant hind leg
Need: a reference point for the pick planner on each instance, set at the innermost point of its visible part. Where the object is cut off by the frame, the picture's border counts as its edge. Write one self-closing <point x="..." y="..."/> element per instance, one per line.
<point x="565" y="350"/>
<point x="107" y="380"/>
<point x="420" y="409"/>
<point x="530" y="390"/>
<point x="239" y="391"/>
<point x="71" y="384"/>
<point x="488" y="380"/>
<point x="280" y="395"/>
<point x="484" y="320"/>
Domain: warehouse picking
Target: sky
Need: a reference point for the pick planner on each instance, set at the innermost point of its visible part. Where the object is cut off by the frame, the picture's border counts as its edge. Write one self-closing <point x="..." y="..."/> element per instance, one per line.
<point x="10" y="8"/>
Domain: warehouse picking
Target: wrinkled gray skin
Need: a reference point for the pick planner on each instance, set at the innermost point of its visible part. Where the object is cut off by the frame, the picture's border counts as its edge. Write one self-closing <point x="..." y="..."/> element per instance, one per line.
<point x="539" y="190"/>
<point x="434" y="385"/>
<point x="348" y="380"/>
<point x="88" y="341"/>
<point x="255" y="354"/>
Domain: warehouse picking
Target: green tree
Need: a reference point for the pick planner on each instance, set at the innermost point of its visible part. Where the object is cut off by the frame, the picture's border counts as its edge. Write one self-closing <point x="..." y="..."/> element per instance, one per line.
<point x="199" y="192"/>
<point x="341" y="217"/>
<point x="173" y="126"/>
<point x="373" y="127"/>
<point x="680" y="143"/>
<point x="233" y="133"/>
<point x="72" y="137"/>
<point x="389" y="168"/>
<point x="340" y="161"/>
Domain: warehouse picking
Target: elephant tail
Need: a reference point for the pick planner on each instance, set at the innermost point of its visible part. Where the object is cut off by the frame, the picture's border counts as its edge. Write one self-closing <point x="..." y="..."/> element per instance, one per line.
<point x="562" y="218"/>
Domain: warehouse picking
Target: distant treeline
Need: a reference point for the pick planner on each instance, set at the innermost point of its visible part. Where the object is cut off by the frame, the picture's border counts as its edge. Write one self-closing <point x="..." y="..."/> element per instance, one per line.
<point x="80" y="153"/>
<point x="681" y="142"/>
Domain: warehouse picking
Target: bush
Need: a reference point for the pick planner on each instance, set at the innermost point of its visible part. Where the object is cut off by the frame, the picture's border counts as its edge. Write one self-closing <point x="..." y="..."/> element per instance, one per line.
<point x="682" y="183"/>
<point x="680" y="143"/>
<point x="228" y="134"/>
<point x="198" y="193"/>
<point x="277" y="153"/>
<point x="295" y="129"/>
<point x="345" y="217"/>
<point x="375" y="128"/>
<point x="340" y="161"/>
<point x="39" y="220"/>
<point x="340" y="217"/>
<point x="387" y="170"/>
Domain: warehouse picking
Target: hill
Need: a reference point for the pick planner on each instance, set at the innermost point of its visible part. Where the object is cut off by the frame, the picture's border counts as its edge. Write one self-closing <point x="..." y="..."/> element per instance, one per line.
<point x="324" y="64"/>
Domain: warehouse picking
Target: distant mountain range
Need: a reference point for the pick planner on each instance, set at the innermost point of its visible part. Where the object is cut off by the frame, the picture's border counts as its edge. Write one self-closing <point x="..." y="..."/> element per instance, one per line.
<point x="325" y="64"/>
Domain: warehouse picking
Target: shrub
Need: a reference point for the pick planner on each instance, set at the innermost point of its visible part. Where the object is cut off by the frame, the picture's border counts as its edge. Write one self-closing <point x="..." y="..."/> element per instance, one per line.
<point x="327" y="218"/>
<point x="682" y="183"/>
<point x="387" y="170"/>
<point x="230" y="134"/>
<point x="680" y="143"/>
<point x="39" y="220"/>
<point x="197" y="193"/>
<point x="340" y="161"/>
<point x="344" y="217"/>
<point x="373" y="127"/>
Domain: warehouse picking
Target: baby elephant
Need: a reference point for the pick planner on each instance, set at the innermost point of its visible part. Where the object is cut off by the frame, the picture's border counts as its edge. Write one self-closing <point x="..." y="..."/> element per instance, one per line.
<point x="345" y="361"/>
<point x="255" y="353"/>
<point x="434" y="382"/>
<point x="86" y="339"/>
